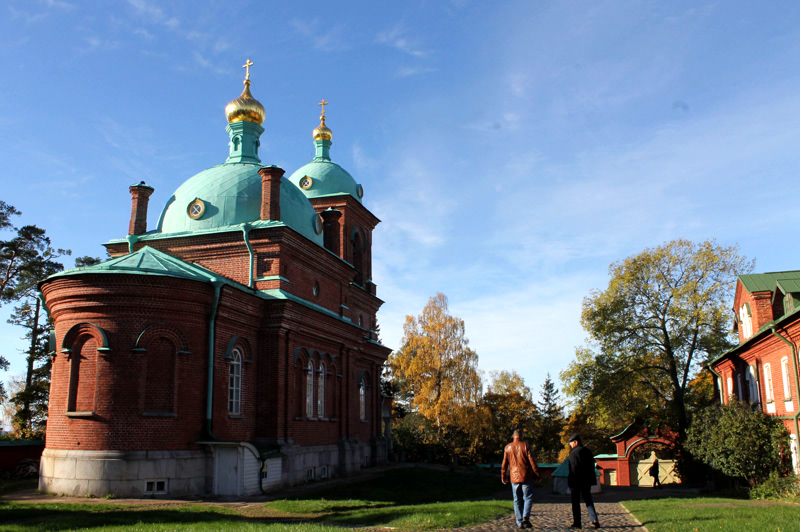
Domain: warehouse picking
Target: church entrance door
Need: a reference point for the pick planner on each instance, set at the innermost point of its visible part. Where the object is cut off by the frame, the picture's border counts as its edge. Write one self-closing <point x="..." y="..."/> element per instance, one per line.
<point x="227" y="471"/>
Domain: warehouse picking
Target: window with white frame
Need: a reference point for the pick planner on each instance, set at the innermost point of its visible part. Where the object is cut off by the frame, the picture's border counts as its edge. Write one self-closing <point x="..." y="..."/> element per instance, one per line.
<point x="310" y="390"/>
<point x="730" y="388"/>
<point x="787" y="391"/>
<point x="362" y="399"/>
<point x="746" y="321"/>
<point x="321" y="391"/>
<point x="235" y="382"/>
<point x="768" y="383"/>
<point x="752" y="384"/>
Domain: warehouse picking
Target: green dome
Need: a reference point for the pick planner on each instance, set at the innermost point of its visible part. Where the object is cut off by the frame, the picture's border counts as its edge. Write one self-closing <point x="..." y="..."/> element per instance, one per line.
<point x="326" y="178"/>
<point x="230" y="194"/>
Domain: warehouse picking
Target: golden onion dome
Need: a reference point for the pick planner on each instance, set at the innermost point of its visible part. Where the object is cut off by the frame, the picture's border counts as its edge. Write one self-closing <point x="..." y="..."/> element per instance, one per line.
<point x="322" y="131"/>
<point x="245" y="107"/>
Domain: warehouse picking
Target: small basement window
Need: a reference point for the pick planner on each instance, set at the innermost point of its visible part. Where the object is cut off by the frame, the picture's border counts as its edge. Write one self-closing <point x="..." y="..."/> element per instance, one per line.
<point x="323" y="472"/>
<point x="155" y="487"/>
<point x="310" y="473"/>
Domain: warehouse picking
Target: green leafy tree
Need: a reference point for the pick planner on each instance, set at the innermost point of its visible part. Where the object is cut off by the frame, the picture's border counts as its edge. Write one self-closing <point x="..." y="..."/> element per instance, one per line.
<point x="29" y="417"/>
<point x="740" y="441"/>
<point x="549" y="424"/>
<point x="665" y="311"/>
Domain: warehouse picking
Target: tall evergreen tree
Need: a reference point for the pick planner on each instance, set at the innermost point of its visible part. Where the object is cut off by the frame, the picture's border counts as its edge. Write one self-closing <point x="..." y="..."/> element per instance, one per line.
<point x="549" y="423"/>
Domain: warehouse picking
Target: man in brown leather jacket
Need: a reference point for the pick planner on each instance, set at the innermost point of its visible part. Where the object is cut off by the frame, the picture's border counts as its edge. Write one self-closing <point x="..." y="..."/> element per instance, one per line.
<point x="520" y="468"/>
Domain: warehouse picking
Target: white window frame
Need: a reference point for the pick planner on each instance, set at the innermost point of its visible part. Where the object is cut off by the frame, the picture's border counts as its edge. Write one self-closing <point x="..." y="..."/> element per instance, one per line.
<point x="729" y="383"/>
<point x="362" y="399"/>
<point x="752" y="383"/>
<point x="310" y="389"/>
<point x="746" y="320"/>
<point x="788" y="402"/>
<point x="321" y="390"/>
<point x="768" y="383"/>
<point x="235" y="382"/>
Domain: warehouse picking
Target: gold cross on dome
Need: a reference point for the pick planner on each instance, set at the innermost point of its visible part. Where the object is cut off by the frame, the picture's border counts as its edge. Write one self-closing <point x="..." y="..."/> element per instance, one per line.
<point x="247" y="65"/>
<point x="323" y="103"/>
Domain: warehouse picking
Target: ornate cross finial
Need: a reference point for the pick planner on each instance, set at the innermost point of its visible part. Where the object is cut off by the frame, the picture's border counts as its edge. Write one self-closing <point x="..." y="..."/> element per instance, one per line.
<point x="323" y="103"/>
<point x="247" y="65"/>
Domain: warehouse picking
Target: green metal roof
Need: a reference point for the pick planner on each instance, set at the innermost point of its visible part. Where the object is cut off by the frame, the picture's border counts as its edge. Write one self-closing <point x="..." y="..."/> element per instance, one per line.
<point x="327" y="179"/>
<point x="231" y="195"/>
<point x="789" y="286"/>
<point x="149" y="261"/>
<point x="766" y="282"/>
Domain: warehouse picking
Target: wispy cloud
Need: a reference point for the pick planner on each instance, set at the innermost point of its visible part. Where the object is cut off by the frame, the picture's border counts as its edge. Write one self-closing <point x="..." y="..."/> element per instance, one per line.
<point x="398" y="38"/>
<point x="154" y="12"/>
<point x="405" y="72"/>
<point x="321" y="36"/>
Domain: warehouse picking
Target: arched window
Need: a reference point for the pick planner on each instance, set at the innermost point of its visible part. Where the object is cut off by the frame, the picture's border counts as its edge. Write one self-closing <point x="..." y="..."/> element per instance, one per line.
<point x="82" y="377"/>
<point x="362" y="399"/>
<point x="159" y="393"/>
<point x="235" y="382"/>
<point x="746" y="320"/>
<point x="310" y="390"/>
<point x="752" y="384"/>
<point x="321" y="391"/>
<point x="358" y="258"/>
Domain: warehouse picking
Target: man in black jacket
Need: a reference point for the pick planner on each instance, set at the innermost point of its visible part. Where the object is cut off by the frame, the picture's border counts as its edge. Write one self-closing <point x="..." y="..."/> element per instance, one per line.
<point x="580" y="481"/>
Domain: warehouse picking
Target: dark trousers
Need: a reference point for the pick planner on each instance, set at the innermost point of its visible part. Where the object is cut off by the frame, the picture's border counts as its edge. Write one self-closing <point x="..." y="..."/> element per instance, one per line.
<point x="586" y="493"/>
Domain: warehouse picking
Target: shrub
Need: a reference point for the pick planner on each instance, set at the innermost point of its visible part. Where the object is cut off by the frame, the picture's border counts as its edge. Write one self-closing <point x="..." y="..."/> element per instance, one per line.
<point x="740" y="441"/>
<point x="777" y="487"/>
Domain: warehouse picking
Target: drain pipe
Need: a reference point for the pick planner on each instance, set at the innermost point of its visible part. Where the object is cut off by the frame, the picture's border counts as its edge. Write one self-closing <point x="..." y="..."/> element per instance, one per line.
<point x="796" y="380"/>
<point x="212" y="324"/>
<point x="246" y="228"/>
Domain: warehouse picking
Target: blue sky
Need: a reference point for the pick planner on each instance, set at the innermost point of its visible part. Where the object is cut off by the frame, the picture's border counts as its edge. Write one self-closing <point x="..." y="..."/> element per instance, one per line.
<point x="512" y="149"/>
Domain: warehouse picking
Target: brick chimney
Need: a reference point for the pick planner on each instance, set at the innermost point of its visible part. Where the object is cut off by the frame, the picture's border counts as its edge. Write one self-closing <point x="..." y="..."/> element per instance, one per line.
<point x="271" y="192"/>
<point x="330" y="229"/>
<point x="140" y="197"/>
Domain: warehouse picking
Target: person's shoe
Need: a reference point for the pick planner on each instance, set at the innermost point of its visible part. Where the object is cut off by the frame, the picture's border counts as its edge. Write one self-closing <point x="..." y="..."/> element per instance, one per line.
<point x="575" y="525"/>
<point x="596" y="524"/>
<point x="527" y="524"/>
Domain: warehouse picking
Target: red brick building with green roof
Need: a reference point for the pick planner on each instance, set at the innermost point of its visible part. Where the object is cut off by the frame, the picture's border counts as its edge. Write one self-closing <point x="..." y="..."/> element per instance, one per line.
<point x="764" y="368"/>
<point x="230" y="350"/>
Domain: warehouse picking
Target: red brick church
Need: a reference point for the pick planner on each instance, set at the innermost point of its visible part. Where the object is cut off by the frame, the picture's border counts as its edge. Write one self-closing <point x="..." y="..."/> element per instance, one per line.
<point x="763" y="368"/>
<point x="230" y="350"/>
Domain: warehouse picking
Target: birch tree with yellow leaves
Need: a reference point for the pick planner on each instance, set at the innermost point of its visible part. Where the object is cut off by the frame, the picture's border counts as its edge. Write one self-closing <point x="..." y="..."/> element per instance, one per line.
<point x="437" y="367"/>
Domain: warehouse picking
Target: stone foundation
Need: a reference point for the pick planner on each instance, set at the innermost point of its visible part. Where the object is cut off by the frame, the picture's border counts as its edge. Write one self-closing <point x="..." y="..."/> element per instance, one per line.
<point x="123" y="474"/>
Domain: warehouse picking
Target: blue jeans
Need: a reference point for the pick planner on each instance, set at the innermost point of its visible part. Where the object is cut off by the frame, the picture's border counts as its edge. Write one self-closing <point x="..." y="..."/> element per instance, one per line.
<point x="523" y="499"/>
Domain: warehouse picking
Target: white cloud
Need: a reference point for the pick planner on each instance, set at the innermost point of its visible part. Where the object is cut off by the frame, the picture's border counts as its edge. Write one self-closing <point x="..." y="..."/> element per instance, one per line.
<point x="397" y="37"/>
<point x="406" y="72"/>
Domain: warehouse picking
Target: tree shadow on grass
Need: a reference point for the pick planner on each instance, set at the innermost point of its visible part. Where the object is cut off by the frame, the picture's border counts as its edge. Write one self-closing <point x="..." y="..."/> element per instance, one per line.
<point x="34" y="518"/>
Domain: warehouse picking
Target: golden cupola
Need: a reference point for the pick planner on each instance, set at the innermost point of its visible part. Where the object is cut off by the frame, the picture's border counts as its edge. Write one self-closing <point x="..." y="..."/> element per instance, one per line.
<point x="245" y="107"/>
<point x="322" y="131"/>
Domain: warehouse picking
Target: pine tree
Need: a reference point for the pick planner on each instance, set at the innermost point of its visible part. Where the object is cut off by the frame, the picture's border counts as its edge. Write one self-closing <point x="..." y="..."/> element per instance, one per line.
<point x="549" y="423"/>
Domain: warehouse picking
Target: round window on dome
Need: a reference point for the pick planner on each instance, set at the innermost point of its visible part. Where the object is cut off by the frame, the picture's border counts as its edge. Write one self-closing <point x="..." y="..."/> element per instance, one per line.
<point x="196" y="209"/>
<point x="360" y="191"/>
<point x="315" y="289"/>
<point x="318" y="224"/>
<point x="305" y="183"/>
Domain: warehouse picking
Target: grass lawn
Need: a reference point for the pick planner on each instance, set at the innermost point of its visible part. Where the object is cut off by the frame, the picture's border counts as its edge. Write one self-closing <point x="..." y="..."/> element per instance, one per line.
<point x="411" y="499"/>
<point x="415" y="499"/>
<point x="705" y="514"/>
